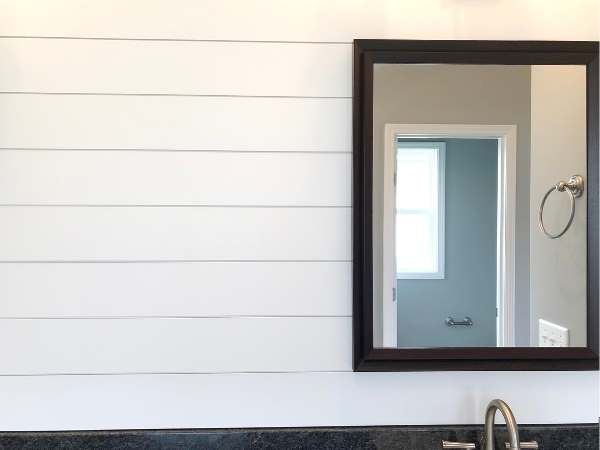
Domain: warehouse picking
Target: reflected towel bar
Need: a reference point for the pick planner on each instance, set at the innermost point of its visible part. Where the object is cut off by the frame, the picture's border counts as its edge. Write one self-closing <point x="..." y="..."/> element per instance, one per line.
<point x="466" y="322"/>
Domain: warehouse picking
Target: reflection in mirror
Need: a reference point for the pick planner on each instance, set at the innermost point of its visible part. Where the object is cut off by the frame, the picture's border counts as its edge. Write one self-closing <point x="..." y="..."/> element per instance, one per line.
<point x="464" y="157"/>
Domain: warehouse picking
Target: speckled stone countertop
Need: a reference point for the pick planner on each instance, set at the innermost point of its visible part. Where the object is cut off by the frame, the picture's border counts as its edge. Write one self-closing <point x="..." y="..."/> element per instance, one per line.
<point x="549" y="437"/>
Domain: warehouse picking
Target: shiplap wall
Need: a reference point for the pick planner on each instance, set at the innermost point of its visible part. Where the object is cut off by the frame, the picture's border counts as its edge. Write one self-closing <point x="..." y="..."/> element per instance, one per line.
<point x="175" y="215"/>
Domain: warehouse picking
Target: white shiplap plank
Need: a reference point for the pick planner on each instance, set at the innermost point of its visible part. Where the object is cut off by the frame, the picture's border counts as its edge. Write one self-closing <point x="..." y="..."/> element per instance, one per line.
<point x="176" y="289"/>
<point x="174" y="178"/>
<point x="207" y="345"/>
<point x="168" y="67"/>
<point x="310" y="20"/>
<point x="291" y="399"/>
<point x="173" y="233"/>
<point x="158" y="122"/>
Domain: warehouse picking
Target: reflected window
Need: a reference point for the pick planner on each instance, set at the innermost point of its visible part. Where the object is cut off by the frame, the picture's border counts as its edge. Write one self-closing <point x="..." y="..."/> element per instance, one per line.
<point x="419" y="209"/>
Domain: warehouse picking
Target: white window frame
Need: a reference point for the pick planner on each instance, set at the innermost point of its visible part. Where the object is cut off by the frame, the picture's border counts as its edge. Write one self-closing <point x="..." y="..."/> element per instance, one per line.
<point x="441" y="192"/>
<point x="505" y="284"/>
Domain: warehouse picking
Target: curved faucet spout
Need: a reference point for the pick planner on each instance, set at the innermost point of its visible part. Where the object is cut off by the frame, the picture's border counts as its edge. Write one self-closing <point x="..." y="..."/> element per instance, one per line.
<point x="511" y="424"/>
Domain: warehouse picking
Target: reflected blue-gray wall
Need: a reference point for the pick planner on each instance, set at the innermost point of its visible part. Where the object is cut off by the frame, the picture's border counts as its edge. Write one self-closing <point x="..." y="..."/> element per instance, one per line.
<point x="469" y="286"/>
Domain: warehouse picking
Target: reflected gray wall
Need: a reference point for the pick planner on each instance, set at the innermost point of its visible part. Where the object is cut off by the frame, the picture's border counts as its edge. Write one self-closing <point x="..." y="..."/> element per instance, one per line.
<point x="469" y="286"/>
<point x="460" y="94"/>
<point x="558" y="150"/>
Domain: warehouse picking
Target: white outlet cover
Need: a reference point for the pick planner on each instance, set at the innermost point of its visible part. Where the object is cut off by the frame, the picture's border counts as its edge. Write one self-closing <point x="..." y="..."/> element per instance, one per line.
<point x="552" y="335"/>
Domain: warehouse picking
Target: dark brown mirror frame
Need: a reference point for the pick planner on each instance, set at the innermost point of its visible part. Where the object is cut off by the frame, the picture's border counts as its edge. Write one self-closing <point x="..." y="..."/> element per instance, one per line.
<point x="366" y="54"/>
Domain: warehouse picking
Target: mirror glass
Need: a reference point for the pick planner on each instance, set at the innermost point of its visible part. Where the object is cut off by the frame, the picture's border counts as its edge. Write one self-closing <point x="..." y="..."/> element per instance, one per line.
<point x="465" y="158"/>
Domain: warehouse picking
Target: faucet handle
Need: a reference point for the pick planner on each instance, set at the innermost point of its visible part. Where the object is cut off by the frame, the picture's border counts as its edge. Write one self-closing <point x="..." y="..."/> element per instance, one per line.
<point x="464" y="445"/>
<point x="524" y="445"/>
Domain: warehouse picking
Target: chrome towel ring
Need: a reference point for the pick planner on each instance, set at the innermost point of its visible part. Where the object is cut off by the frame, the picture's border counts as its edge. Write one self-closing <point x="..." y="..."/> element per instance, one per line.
<point x="573" y="187"/>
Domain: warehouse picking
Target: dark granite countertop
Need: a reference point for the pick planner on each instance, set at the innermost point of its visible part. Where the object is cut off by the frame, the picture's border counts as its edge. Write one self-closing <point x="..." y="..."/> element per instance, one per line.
<point x="549" y="437"/>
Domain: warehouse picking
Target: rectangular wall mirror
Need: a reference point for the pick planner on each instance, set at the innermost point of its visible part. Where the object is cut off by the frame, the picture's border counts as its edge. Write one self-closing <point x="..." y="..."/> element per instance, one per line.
<point x="475" y="205"/>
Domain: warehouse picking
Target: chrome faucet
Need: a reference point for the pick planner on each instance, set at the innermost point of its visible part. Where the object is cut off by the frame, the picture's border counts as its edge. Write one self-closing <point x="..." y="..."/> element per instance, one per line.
<point x="511" y="424"/>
